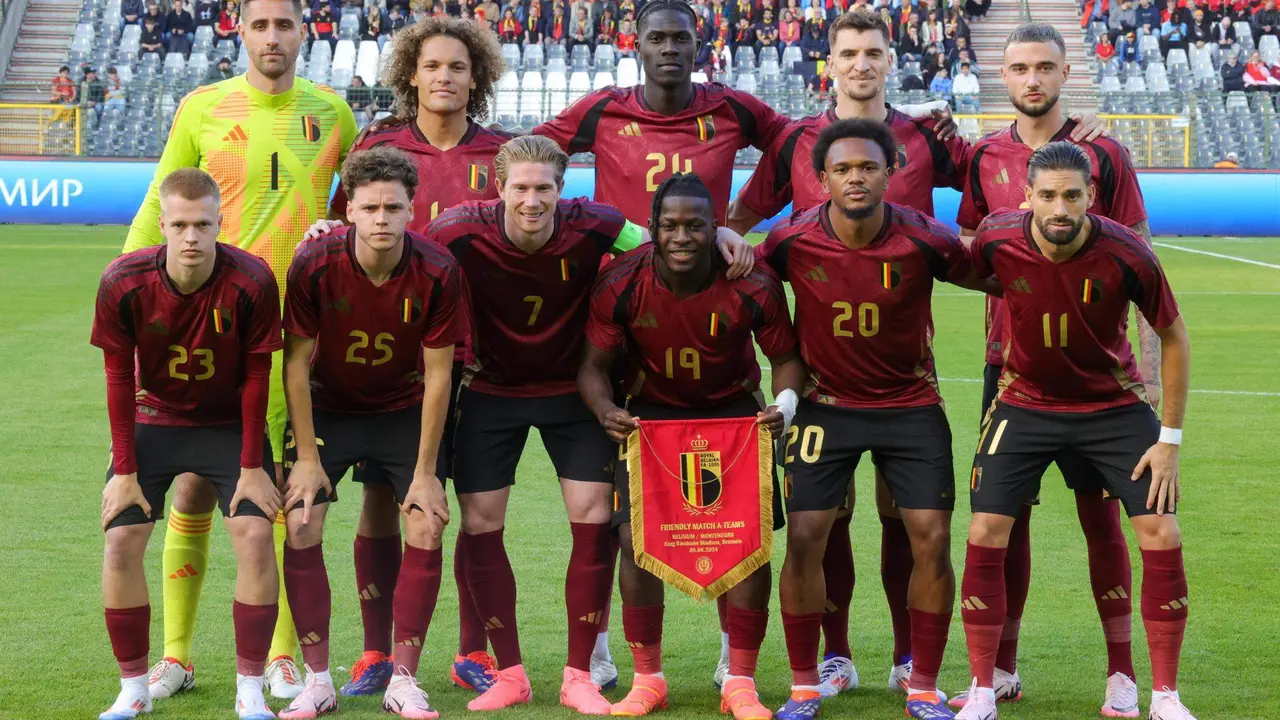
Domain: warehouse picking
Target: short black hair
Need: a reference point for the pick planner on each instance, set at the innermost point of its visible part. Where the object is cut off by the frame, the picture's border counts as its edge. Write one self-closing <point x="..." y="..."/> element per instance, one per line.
<point x="63" y="69"/>
<point x="873" y="130"/>
<point x="654" y="6"/>
<point x="1036" y="33"/>
<point x="678" y="185"/>
<point x="1061" y="155"/>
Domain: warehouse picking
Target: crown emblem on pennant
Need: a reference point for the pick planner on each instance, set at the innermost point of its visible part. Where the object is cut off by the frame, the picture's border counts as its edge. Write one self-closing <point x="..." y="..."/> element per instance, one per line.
<point x="699" y="444"/>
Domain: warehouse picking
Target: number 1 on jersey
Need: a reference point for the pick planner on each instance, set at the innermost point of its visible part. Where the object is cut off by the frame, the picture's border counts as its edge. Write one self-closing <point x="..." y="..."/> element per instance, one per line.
<point x="275" y="171"/>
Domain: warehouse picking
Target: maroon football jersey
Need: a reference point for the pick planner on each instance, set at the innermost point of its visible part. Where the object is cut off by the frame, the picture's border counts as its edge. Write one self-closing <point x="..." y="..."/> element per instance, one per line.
<point x="445" y="177"/>
<point x="785" y="173"/>
<point x="998" y="180"/>
<point x="369" y="338"/>
<point x="690" y="353"/>
<point x="864" y="316"/>
<point x="530" y="309"/>
<point x="637" y="148"/>
<point x="1068" y="350"/>
<point x="191" y="349"/>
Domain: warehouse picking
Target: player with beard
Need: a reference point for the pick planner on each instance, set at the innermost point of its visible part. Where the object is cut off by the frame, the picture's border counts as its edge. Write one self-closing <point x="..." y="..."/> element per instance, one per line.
<point x="1034" y="71"/>
<point x="444" y="72"/>
<point x="1071" y="385"/>
<point x="860" y="60"/>
<point x="645" y="303"/>
<point x="862" y="271"/>
<point x="273" y="142"/>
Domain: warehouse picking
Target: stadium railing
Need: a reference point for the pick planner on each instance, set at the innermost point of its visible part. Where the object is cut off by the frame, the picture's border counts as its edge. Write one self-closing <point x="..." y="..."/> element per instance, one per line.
<point x="41" y="129"/>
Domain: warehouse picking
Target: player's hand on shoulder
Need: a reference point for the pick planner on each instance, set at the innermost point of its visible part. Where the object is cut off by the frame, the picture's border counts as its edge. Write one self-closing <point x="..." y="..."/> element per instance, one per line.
<point x="256" y="486"/>
<point x="318" y="229"/>
<point x="376" y="126"/>
<point x="306" y="479"/>
<point x="619" y="423"/>
<point x="1166" y="488"/>
<point x="122" y="492"/>
<point x="736" y="251"/>
<point x="1088" y="128"/>
<point x="944" y="122"/>
<point x="426" y="494"/>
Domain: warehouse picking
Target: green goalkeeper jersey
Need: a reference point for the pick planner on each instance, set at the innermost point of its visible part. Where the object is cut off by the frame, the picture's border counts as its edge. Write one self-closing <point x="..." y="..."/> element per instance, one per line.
<point x="273" y="156"/>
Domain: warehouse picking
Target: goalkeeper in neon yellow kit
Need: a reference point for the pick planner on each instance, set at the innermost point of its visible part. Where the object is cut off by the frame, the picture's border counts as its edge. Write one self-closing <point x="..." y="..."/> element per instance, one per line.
<point x="273" y="143"/>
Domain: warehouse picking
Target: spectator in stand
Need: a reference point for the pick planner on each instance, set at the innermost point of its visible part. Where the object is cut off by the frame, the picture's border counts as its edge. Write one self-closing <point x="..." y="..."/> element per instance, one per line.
<point x="581" y="31"/>
<point x="1148" y="17"/>
<point x="152" y="39"/>
<point x="820" y="88"/>
<point x="627" y="38"/>
<point x="814" y="46"/>
<point x="557" y="25"/>
<point x="372" y="28"/>
<point x="1266" y="22"/>
<point x="114" y="92"/>
<point x="154" y="11"/>
<point x="958" y="49"/>
<point x="815" y="12"/>
<point x="934" y="61"/>
<point x="941" y="84"/>
<point x="93" y="95"/>
<point x="1175" y="11"/>
<point x="931" y="30"/>
<point x="534" y="33"/>
<point x="228" y="27"/>
<point x="206" y="12"/>
<point x="324" y="27"/>
<point x="1232" y="74"/>
<point x="1104" y="50"/>
<point x="1093" y="11"/>
<point x="493" y="12"/>
<point x="1198" y="29"/>
<point x="745" y="37"/>
<point x="1257" y="75"/>
<point x="1129" y="50"/>
<point x="1230" y="162"/>
<point x="966" y="89"/>
<point x="131" y="12"/>
<point x="1173" y="35"/>
<point x="1224" y="33"/>
<point x="966" y="56"/>
<point x="767" y="33"/>
<point x="360" y="98"/>
<point x="395" y="20"/>
<point x="1122" y="20"/>
<point x="977" y="8"/>
<point x="607" y="28"/>
<point x="789" y="30"/>
<point x="181" y="27"/>
<point x="221" y="71"/>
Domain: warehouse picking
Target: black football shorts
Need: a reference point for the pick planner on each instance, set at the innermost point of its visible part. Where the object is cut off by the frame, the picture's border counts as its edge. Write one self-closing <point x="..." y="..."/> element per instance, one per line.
<point x="370" y="473"/>
<point x="213" y="453"/>
<point x="389" y="440"/>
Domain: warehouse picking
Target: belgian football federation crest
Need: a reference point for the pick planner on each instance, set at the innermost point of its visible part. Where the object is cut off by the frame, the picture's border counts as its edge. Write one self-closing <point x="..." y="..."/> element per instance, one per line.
<point x="221" y="320"/>
<point x="700" y="478"/>
<point x="890" y="275"/>
<point x="311" y="128"/>
<point x="478" y="177"/>
<point x="706" y="128"/>
<point x="568" y="269"/>
<point x="1090" y="291"/>
<point x="411" y="310"/>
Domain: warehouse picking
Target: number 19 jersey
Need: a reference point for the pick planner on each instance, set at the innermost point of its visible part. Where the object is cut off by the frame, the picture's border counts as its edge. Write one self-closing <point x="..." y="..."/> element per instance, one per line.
<point x="273" y="156"/>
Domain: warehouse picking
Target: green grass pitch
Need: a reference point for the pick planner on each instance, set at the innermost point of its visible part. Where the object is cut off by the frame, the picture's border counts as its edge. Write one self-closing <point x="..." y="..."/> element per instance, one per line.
<point x="54" y="429"/>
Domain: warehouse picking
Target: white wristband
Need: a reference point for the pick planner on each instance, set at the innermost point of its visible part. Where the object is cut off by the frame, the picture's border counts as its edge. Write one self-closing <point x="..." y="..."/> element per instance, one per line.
<point x="786" y="402"/>
<point x="1170" y="436"/>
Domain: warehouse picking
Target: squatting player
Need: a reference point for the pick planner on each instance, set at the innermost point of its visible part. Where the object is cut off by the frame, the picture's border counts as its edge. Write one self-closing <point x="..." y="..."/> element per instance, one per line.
<point x="1071" y="384"/>
<point x="1034" y="70"/>
<point x="530" y="259"/>
<point x="371" y="319"/>
<point x="862" y="271"/>
<point x="444" y="72"/>
<point x="273" y="143"/>
<point x="860" y="59"/>
<point x="675" y="296"/>
<point x="199" y="321"/>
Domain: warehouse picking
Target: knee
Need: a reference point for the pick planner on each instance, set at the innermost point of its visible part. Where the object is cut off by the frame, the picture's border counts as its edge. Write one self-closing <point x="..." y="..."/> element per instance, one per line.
<point x="932" y="546"/>
<point x="479" y="516"/>
<point x="300" y="535"/>
<point x="421" y="533"/>
<point x="1157" y="532"/>
<point x="806" y="541"/>
<point x="988" y="530"/>
<point x="193" y="494"/>
<point x="125" y="547"/>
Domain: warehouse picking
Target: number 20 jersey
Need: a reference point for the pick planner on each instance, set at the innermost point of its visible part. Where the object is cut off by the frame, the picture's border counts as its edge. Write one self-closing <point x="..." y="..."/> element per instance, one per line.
<point x="863" y="316"/>
<point x="369" y="338"/>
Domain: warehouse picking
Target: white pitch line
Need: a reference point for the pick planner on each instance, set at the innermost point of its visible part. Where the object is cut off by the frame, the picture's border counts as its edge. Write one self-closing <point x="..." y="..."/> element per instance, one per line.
<point x="1218" y="255"/>
<point x="1249" y="393"/>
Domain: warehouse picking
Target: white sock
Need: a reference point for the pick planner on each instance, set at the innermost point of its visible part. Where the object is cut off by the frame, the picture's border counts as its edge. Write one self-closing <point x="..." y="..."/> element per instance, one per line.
<point x="804" y="688"/>
<point x="256" y="678"/>
<point x="323" y="677"/>
<point x="655" y="675"/>
<point x="1161" y="694"/>
<point x="988" y="693"/>
<point x="139" y="681"/>
<point x="917" y="691"/>
<point x="724" y="647"/>
<point x="727" y="678"/>
<point x="601" y="650"/>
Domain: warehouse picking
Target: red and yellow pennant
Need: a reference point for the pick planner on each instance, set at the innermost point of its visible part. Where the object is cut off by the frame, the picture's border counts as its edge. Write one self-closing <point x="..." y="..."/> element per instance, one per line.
<point x="701" y="501"/>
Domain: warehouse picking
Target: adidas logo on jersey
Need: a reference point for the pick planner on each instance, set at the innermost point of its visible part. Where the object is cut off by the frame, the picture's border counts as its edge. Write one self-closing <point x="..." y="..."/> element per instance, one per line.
<point x="1002" y="177"/>
<point x="1021" y="285"/>
<point x="631" y="128"/>
<point x="646" y="320"/>
<point x="817" y="274"/>
<point x="237" y="134"/>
